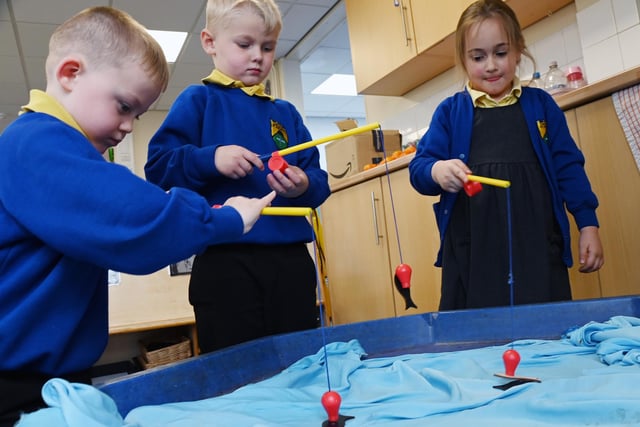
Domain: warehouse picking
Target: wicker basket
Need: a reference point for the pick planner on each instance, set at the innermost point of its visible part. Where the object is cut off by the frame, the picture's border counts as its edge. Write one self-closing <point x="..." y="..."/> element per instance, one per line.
<point x="154" y="353"/>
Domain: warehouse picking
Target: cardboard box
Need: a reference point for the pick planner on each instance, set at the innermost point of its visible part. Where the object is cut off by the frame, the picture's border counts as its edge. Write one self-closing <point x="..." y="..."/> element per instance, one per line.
<point x="346" y="124"/>
<point x="347" y="156"/>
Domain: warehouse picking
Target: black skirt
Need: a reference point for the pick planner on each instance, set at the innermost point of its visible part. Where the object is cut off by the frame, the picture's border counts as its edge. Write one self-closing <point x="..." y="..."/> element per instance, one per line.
<point x="483" y="264"/>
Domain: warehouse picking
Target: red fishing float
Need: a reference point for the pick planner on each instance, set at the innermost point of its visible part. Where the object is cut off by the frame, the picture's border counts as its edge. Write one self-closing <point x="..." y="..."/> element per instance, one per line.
<point x="403" y="272"/>
<point x="277" y="162"/>
<point x="331" y="402"/>
<point x="402" y="280"/>
<point x="511" y="359"/>
<point x="472" y="188"/>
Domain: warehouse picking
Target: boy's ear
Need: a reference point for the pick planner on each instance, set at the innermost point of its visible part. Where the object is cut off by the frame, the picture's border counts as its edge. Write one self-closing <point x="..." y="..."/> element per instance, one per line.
<point x="208" y="42"/>
<point x="67" y="71"/>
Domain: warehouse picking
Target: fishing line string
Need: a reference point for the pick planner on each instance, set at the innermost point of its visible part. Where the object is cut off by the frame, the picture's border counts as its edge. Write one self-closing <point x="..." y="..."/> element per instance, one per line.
<point x="380" y="134"/>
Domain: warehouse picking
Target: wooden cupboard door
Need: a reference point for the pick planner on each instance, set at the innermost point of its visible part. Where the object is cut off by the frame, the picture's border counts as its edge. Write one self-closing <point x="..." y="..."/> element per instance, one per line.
<point x="419" y="241"/>
<point x="529" y="12"/>
<point x="357" y="255"/>
<point x="616" y="181"/>
<point x="381" y="38"/>
<point x="583" y="285"/>
<point x="434" y="21"/>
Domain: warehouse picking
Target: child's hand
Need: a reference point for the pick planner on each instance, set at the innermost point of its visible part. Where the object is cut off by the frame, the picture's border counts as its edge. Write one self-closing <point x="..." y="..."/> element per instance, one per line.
<point x="292" y="183"/>
<point x="235" y="162"/>
<point x="450" y="174"/>
<point x="249" y="209"/>
<point x="591" y="252"/>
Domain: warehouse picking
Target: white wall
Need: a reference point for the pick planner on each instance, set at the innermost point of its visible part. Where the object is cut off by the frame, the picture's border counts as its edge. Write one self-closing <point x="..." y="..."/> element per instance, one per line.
<point x="610" y="31"/>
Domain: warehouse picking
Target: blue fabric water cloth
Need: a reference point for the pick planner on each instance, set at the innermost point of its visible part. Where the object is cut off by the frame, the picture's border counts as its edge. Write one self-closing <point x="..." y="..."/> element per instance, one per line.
<point x="616" y="340"/>
<point x="73" y="405"/>
<point x="589" y="377"/>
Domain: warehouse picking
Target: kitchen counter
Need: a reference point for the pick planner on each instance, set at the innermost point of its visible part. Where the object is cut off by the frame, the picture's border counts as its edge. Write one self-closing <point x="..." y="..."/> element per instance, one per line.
<point x="599" y="89"/>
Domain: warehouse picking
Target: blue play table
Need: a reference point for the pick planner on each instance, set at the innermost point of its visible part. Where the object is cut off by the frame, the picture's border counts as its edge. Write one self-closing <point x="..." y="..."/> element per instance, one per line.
<point x="223" y="371"/>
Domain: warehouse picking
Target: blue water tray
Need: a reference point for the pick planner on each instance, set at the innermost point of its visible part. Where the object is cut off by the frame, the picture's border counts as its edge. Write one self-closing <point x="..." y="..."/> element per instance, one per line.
<point x="223" y="371"/>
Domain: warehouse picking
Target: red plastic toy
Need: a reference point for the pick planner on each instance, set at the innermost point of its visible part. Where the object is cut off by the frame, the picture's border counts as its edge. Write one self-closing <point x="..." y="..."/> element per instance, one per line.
<point x="331" y="401"/>
<point x="403" y="271"/>
<point x="472" y="188"/>
<point x="511" y="359"/>
<point x="402" y="281"/>
<point x="277" y="162"/>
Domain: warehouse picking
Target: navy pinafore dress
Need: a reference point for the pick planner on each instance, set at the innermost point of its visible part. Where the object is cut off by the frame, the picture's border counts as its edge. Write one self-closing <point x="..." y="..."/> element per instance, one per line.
<point x="475" y="268"/>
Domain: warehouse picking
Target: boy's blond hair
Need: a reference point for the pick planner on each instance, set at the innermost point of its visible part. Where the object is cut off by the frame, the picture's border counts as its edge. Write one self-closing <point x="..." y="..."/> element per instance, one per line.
<point x="219" y="11"/>
<point x="108" y="37"/>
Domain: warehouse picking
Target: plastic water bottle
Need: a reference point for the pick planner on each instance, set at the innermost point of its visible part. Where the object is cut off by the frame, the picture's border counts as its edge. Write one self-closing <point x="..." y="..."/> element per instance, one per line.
<point x="536" y="81"/>
<point x="575" y="78"/>
<point x="555" y="81"/>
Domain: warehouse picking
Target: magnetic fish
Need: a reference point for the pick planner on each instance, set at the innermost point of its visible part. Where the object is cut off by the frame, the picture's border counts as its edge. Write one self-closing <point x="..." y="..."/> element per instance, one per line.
<point x="342" y="419"/>
<point x="402" y="280"/>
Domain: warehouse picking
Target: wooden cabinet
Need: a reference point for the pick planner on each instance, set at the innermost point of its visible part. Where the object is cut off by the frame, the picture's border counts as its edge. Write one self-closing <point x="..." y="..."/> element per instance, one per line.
<point x="362" y="249"/>
<point x="583" y="286"/>
<point x="615" y="179"/>
<point x="387" y="38"/>
<point x="435" y="21"/>
<point x="357" y="254"/>
<point x="381" y="38"/>
<point x="397" y="45"/>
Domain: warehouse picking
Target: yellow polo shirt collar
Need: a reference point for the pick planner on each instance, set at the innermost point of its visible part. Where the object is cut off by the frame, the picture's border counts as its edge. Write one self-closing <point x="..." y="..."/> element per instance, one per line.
<point x="482" y="100"/>
<point x="42" y="102"/>
<point x="218" y="77"/>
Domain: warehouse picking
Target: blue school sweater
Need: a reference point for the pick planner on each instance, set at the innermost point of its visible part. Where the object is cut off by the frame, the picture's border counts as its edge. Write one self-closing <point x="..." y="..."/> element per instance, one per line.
<point x="205" y="117"/>
<point x="66" y="217"/>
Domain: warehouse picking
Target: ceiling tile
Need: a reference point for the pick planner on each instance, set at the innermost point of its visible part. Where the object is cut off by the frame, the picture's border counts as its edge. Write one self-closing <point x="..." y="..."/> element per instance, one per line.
<point x="305" y="19"/>
<point x="11" y="70"/>
<point x="324" y="51"/>
<point x="167" y="15"/>
<point x="34" y="38"/>
<point x="13" y="93"/>
<point x="4" y="12"/>
<point x="329" y="60"/>
<point x="7" y="40"/>
<point x="284" y="46"/>
<point x="51" y="11"/>
<point x="192" y="52"/>
<point x="35" y="72"/>
<point x="339" y="37"/>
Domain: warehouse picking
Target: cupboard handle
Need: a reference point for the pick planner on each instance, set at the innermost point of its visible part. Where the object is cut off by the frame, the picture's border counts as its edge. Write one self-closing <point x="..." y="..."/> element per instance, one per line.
<point x="375" y="218"/>
<point x="403" y="13"/>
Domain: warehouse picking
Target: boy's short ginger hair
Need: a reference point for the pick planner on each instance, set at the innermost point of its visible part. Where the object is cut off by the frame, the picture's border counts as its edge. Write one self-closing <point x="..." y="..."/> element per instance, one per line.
<point x="109" y="37"/>
<point x="219" y="11"/>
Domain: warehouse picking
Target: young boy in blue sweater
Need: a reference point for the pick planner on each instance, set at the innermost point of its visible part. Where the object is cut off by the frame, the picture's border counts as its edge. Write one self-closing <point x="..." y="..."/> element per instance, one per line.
<point x="264" y="283"/>
<point x="67" y="216"/>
